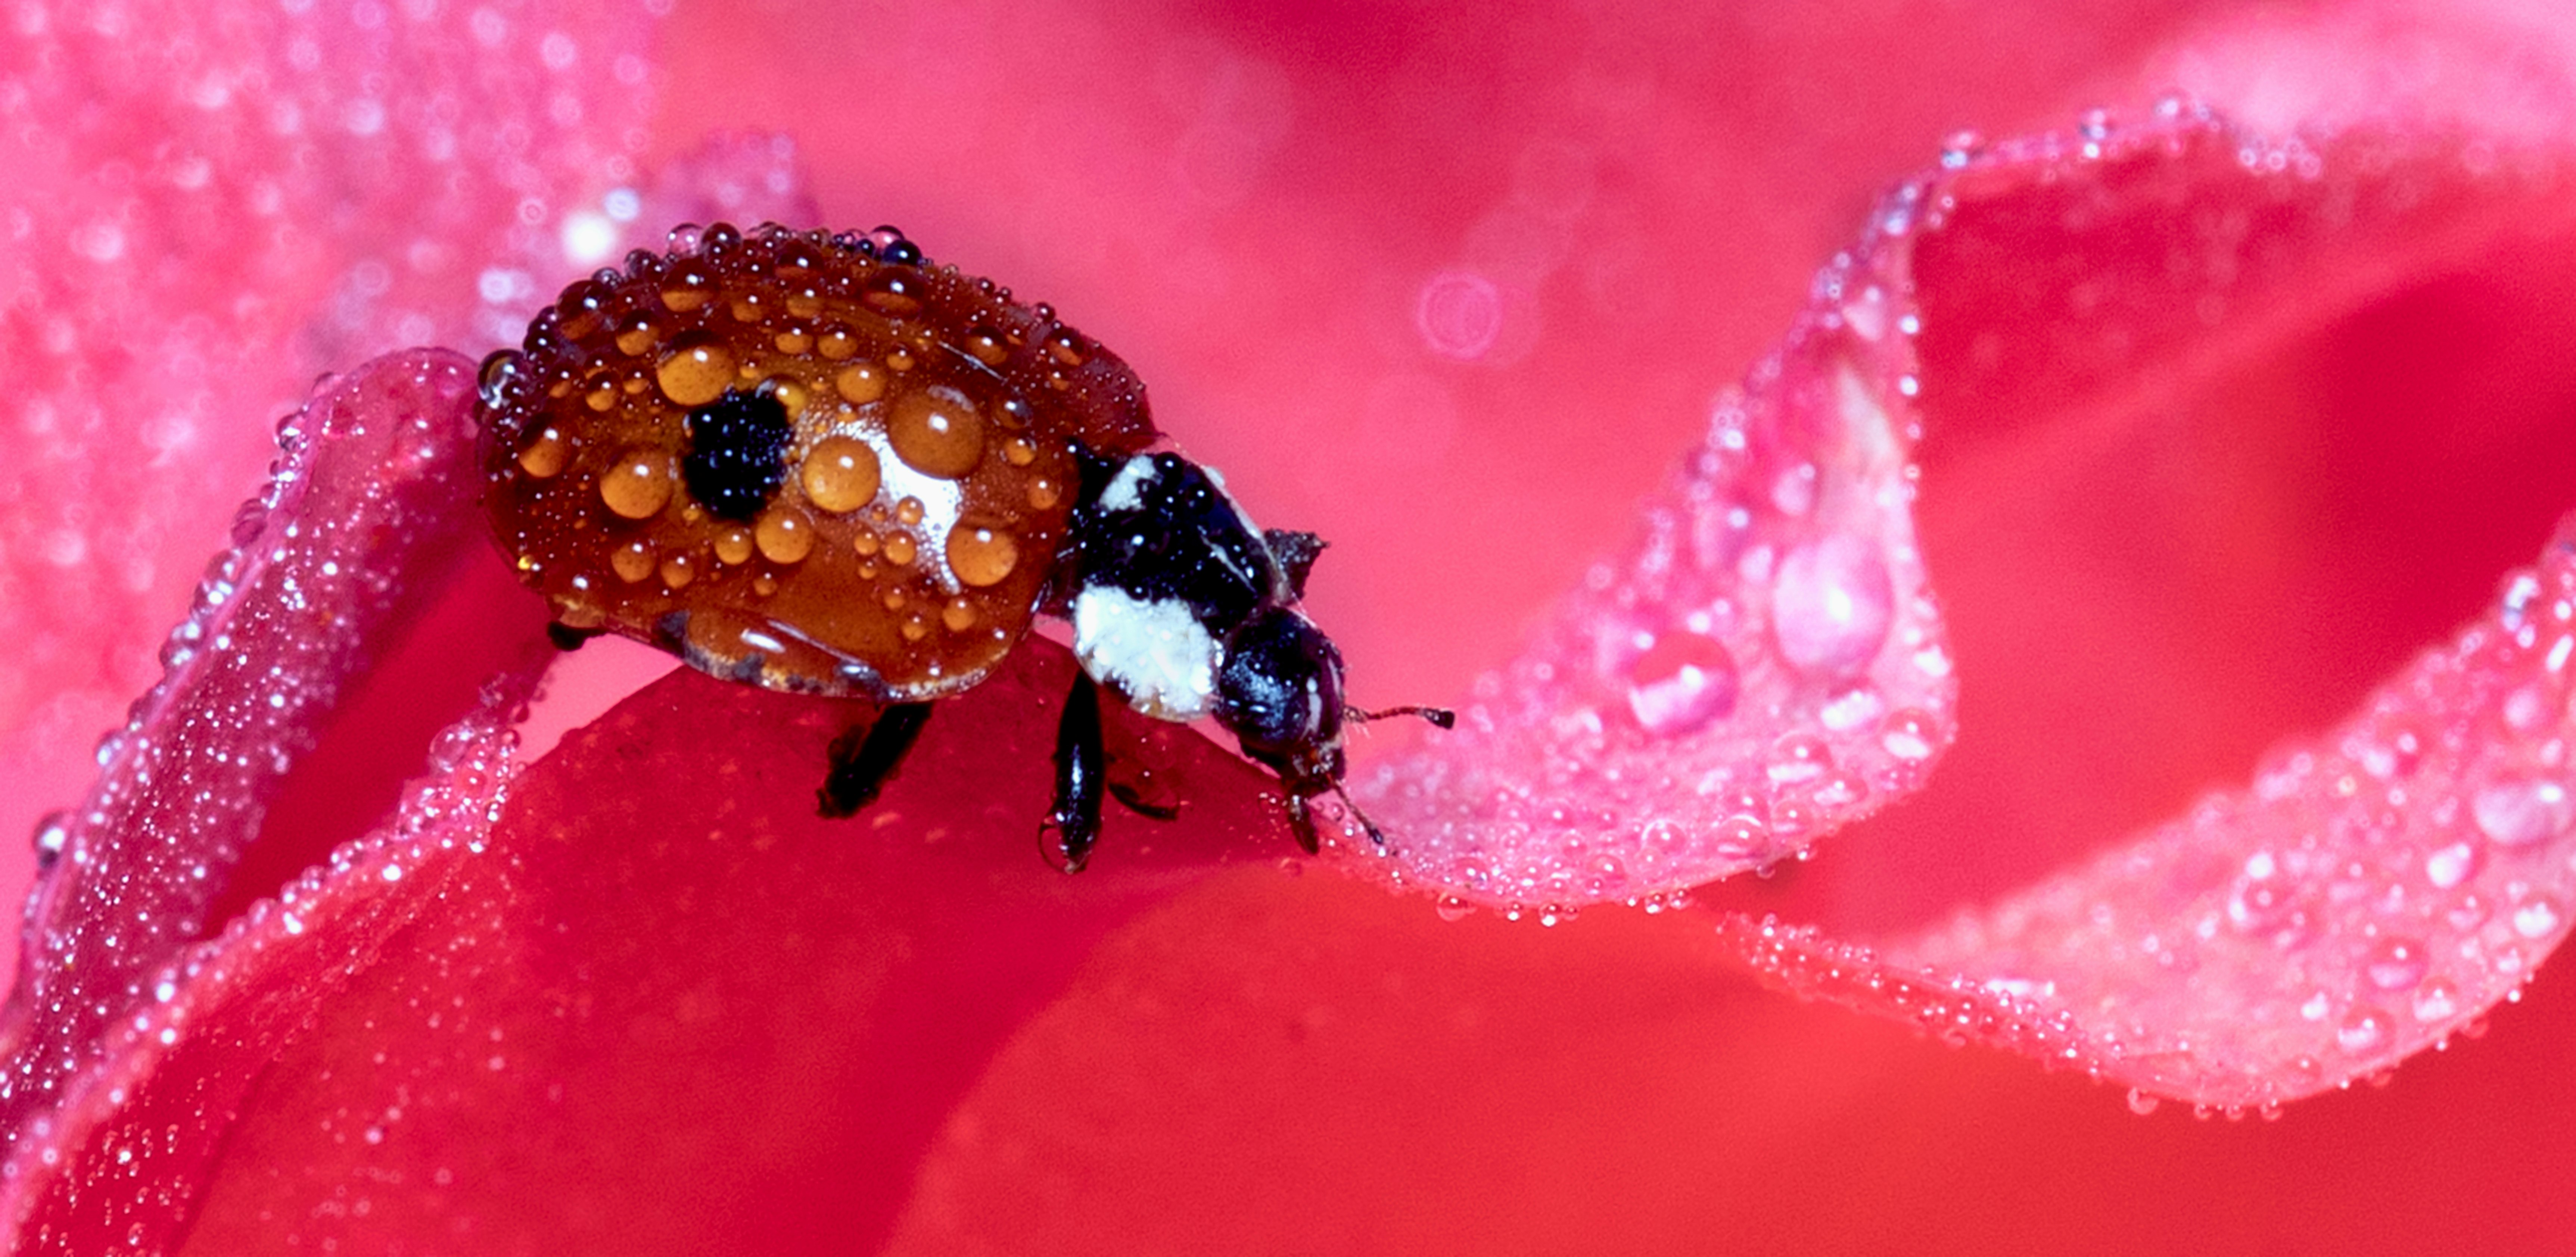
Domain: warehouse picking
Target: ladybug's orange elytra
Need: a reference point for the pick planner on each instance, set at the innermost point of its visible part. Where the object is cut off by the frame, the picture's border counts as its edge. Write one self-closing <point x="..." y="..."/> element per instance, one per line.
<point x="800" y="459"/>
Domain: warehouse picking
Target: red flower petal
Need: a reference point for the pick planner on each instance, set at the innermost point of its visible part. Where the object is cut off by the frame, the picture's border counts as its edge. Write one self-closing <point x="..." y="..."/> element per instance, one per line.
<point x="214" y="203"/>
<point x="1371" y="938"/>
<point x="195" y="815"/>
<point x="2378" y="887"/>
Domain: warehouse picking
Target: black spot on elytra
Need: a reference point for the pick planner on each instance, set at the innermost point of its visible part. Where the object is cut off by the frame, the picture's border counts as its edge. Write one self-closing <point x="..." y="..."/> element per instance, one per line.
<point x="737" y="453"/>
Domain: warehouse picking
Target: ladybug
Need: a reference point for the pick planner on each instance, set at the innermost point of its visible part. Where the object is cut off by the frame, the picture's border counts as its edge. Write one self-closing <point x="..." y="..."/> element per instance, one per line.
<point x="817" y="462"/>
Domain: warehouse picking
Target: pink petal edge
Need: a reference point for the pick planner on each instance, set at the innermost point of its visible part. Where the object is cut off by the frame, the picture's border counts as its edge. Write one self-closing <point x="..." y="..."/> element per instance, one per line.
<point x="2379" y="886"/>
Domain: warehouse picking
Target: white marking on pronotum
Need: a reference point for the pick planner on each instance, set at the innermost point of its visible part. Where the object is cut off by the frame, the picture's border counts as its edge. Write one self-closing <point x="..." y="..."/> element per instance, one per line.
<point x="1126" y="491"/>
<point x="1155" y="654"/>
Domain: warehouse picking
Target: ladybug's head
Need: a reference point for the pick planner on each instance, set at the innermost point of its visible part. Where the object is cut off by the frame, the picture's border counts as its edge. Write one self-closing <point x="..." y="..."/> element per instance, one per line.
<point x="1279" y="691"/>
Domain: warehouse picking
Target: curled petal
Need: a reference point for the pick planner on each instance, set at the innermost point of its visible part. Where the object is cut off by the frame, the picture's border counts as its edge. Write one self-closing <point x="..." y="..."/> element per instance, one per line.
<point x="1761" y="665"/>
<point x="2375" y="888"/>
<point x="211" y="204"/>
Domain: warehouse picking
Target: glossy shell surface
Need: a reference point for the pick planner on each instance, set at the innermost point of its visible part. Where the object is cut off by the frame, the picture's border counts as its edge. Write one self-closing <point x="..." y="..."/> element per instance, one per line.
<point x="811" y="461"/>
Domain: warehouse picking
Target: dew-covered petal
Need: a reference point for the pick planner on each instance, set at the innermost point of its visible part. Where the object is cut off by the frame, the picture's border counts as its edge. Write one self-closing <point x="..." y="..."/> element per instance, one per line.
<point x="369" y="508"/>
<point x="2374" y="892"/>
<point x="661" y="1006"/>
<point x="1761" y="665"/>
<point x="2376" y="887"/>
<point x="209" y="204"/>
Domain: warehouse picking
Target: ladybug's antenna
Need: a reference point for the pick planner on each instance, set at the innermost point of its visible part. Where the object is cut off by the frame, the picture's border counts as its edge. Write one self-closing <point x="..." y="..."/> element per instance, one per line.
<point x="1375" y="834"/>
<point x="1301" y="820"/>
<point x="1440" y="716"/>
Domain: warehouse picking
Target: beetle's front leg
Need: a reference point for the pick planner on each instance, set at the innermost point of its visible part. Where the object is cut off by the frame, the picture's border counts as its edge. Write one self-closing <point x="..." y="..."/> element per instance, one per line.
<point x="1081" y="773"/>
<point x="861" y="762"/>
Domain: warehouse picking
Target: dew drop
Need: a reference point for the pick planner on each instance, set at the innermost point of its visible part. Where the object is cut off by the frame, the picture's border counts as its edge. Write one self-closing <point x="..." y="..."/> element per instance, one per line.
<point x="2451" y="865"/>
<point x="1020" y="451"/>
<point x="1452" y="908"/>
<point x="695" y="372"/>
<point x="1798" y="757"/>
<point x="1044" y="494"/>
<point x="684" y="293"/>
<point x="545" y="456"/>
<point x="638" y="485"/>
<point x="894" y="294"/>
<point x="900" y="550"/>
<point x="937" y="431"/>
<point x="2467" y="914"/>
<point x="784" y="536"/>
<point x="678" y="570"/>
<point x="1961" y="147"/>
<point x="2436" y="1000"/>
<point x="1908" y="735"/>
<point x="2395" y="964"/>
<point x="2363" y="1030"/>
<point x="958" y="615"/>
<point x="637" y="336"/>
<point x="2538" y="917"/>
<point x="836" y="343"/>
<point x="981" y="554"/>
<point x="53" y="833"/>
<point x="2521" y="812"/>
<point x="2141" y="1103"/>
<point x="2262" y="903"/>
<point x="632" y="562"/>
<point x="1742" y="837"/>
<point x="860" y="383"/>
<point x="841" y="474"/>
<point x="1682" y="683"/>
<point x="733" y="544"/>
<point x="1830" y="605"/>
<point x="492" y="379"/>
<point x="987" y="347"/>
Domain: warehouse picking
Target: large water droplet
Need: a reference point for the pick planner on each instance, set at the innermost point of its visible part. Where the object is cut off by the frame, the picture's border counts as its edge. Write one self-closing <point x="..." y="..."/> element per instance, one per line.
<point x="1799" y="757"/>
<point x="53" y="833"/>
<point x="2363" y="1030"/>
<point x="981" y="553"/>
<point x="2436" y="1000"/>
<point x="841" y="474"/>
<point x="938" y="432"/>
<point x="638" y="485"/>
<point x="2451" y="865"/>
<point x="1682" y="683"/>
<point x="1831" y="605"/>
<point x="2539" y="917"/>
<point x="2395" y="964"/>
<point x="696" y="371"/>
<point x="2522" y="811"/>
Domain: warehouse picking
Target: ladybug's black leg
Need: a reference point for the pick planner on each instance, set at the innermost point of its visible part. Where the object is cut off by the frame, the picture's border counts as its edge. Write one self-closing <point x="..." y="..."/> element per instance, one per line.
<point x="566" y="637"/>
<point x="861" y="762"/>
<point x="1301" y="823"/>
<point x="1081" y="771"/>
<point x="1133" y="794"/>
